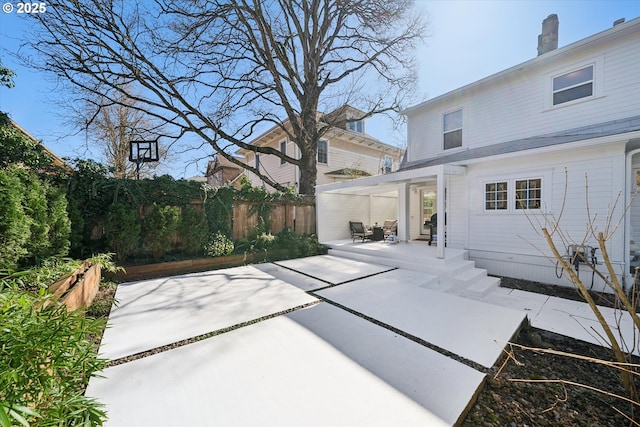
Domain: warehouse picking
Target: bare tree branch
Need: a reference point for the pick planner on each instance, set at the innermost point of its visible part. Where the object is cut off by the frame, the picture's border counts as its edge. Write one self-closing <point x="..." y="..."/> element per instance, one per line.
<point x="223" y="71"/>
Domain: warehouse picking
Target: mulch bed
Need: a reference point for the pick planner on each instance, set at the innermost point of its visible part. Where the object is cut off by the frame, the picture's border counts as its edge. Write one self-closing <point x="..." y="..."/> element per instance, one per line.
<point x="504" y="402"/>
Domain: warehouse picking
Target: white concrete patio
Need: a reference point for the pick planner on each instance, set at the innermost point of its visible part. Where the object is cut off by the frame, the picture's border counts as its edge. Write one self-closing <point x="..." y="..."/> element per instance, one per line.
<point x="320" y="366"/>
<point x="317" y="364"/>
<point x="157" y="312"/>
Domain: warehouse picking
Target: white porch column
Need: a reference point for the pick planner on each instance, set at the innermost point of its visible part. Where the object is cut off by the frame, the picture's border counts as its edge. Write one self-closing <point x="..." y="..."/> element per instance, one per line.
<point x="440" y="206"/>
<point x="404" y="216"/>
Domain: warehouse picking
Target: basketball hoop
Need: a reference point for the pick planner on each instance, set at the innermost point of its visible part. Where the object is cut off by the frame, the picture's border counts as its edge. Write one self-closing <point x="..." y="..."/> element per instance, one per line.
<point x="143" y="152"/>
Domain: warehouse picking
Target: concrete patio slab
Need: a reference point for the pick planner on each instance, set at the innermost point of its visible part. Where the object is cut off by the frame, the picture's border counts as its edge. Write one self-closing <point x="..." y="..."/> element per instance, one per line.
<point x="320" y="366"/>
<point x="158" y="312"/>
<point x="331" y="269"/>
<point x="463" y="326"/>
<point x="576" y="319"/>
<point x="529" y="302"/>
<point x="294" y="278"/>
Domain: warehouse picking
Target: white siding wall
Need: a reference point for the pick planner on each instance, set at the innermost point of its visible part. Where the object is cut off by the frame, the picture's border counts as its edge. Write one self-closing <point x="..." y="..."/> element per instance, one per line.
<point x="518" y="106"/>
<point x="457" y="207"/>
<point x="506" y="243"/>
<point x="334" y="211"/>
<point x="383" y="208"/>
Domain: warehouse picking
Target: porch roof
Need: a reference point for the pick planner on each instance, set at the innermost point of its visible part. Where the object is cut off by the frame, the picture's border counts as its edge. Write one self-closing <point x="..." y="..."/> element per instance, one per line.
<point x="387" y="182"/>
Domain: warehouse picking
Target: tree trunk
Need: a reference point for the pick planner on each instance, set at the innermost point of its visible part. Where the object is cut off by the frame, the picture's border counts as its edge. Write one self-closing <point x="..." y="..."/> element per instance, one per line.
<point x="308" y="172"/>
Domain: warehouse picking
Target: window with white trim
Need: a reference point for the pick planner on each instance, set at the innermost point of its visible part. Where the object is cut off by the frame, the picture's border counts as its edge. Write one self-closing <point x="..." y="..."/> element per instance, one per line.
<point x="283" y="150"/>
<point x="513" y="194"/>
<point x="388" y="162"/>
<point x="574" y="85"/>
<point x="452" y="129"/>
<point x="323" y="152"/>
<point x="528" y="193"/>
<point x="496" y="195"/>
<point x="355" y="125"/>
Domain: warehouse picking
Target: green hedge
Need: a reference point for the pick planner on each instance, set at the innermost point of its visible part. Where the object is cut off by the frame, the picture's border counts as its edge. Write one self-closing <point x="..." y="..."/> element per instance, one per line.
<point x="34" y="224"/>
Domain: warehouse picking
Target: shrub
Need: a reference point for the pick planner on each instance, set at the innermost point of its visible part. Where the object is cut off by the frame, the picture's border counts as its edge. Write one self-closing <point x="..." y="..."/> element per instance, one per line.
<point x="219" y="245"/>
<point x="122" y="230"/>
<point x="46" y="360"/>
<point x="300" y="245"/>
<point x="193" y="231"/>
<point x="59" y="223"/>
<point x="159" y="228"/>
<point x="35" y="205"/>
<point x="264" y="241"/>
<point x="14" y="223"/>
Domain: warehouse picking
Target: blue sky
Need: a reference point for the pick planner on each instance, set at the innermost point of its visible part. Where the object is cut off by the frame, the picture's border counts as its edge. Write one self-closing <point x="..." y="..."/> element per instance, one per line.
<point x="468" y="40"/>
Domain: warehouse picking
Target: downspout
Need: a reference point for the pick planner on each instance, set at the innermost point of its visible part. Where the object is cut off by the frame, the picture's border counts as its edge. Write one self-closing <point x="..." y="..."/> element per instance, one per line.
<point x="440" y="209"/>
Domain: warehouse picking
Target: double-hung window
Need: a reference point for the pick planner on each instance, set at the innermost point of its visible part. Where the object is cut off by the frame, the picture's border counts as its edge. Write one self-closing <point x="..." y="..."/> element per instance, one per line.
<point x="452" y="126"/>
<point x="323" y="152"/>
<point x="574" y="85"/>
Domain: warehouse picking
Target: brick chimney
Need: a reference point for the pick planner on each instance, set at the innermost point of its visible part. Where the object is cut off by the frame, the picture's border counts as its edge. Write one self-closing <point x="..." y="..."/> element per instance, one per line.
<point x="548" y="40"/>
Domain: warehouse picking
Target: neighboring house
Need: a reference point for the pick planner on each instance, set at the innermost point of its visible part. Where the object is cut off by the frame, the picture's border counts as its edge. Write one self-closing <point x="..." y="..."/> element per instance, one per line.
<point x="220" y="171"/>
<point x="490" y="157"/>
<point x="56" y="159"/>
<point x="344" y="153"/>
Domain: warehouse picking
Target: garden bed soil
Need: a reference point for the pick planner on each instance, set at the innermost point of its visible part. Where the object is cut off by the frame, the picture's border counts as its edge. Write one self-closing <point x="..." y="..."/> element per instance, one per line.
<point x="505" y="402"/>
<point x="566" y="292"/>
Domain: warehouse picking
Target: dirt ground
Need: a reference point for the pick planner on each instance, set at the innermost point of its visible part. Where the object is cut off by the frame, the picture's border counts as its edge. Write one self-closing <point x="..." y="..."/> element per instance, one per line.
<point x="507" y="402"/>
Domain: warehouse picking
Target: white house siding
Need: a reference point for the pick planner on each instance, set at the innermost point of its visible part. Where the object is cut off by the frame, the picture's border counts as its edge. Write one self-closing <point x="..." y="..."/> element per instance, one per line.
<point x="457" y="208"/>
<point x="506" y="244"/>
<point x="332" y="209"/>
<point x="516" y="105"/>
<point x="383" y="208"/>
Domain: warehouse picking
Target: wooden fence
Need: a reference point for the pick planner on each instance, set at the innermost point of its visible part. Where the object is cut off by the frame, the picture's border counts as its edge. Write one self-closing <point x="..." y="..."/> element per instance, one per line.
<point x="300" y="218"/>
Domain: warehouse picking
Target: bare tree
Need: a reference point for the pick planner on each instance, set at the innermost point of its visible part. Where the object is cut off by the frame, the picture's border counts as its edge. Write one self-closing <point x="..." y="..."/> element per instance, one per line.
<point x="112" y="126"/>
<point x="225" y="70"/>
<point x="548" y="226"/>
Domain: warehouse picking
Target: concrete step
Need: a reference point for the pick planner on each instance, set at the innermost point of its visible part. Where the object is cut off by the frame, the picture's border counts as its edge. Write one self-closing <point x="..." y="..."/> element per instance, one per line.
<point x="469" y="275"/>
<point x="457" y="275"/>
<point x="481" y="287"/>
<point x="364" y="258"/>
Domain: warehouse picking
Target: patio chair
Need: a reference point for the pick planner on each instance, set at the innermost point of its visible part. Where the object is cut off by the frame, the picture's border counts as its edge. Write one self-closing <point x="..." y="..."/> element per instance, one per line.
<point x="359" y="231"/>
<point x="390" y="227"/>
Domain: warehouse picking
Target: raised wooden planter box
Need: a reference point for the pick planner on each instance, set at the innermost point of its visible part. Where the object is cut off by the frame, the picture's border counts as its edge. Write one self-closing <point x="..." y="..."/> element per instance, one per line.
<point x="172" y="268"/>
<point x="78" y="289"/>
